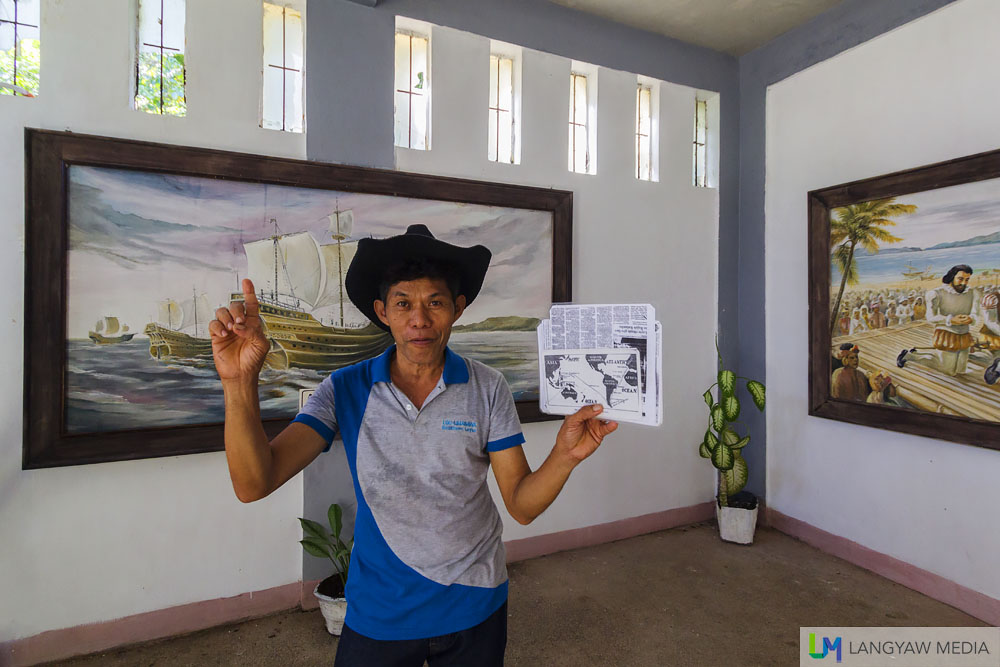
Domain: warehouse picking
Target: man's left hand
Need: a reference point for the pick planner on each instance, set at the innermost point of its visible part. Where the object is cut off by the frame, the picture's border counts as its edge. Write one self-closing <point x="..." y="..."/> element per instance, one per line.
<point x="582" y="432"/>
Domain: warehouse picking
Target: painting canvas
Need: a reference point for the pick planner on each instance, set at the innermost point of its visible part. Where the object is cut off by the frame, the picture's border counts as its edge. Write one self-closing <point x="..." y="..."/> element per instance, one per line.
<point x="158" y="253"/>
<point x="910" y="336"/>
<point x="151" y="253"/>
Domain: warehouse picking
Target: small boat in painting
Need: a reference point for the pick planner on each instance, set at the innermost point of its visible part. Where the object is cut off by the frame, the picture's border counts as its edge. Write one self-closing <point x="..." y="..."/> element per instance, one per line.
<point x="109" y="331"/>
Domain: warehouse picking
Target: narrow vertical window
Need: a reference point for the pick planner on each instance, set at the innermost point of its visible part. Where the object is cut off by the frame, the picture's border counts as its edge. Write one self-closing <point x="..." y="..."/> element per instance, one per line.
<point x="579" y="124"/>
<point x="159" y="65"/>
<point x="643" y="133"/>
<point x="412" y="91"/>
<point x="501" y="136"/>
<point x="283" y="65"/>
<point x="701" y="143"/>
<point x="20" y="47"/>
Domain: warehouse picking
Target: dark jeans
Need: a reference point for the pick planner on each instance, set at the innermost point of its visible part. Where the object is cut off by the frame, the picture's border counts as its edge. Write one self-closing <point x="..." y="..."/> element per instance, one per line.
<point x="479" y="646"/>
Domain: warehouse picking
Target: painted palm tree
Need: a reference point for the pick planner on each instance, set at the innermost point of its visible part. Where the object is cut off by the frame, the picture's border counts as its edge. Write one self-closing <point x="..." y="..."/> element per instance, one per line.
<point x="862" y="225"/>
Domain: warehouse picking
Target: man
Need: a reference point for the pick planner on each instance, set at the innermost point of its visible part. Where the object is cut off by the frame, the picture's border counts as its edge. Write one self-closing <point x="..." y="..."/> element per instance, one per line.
<point x="989" y="333"/>
<point x="892" y="314"/>
<point x="858" y="324"/>
<point x="904" y="312"/>
<point x="950" y="310"/>
<point x="878" y="320"/>
<point x="849" y="382"/>
<point x="844" y="321"/>
<point x="883" y="390"/>
<point x="420" y="427"/>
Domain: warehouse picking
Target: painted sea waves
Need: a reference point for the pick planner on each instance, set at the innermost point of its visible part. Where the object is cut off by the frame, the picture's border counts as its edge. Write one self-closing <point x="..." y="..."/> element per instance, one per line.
<point x="124" y="388"/>
<point x="151" y="256"/>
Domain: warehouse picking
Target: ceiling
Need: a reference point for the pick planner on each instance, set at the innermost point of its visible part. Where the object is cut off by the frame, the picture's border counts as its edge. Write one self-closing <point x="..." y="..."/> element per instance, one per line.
<point x="730" y="26"/>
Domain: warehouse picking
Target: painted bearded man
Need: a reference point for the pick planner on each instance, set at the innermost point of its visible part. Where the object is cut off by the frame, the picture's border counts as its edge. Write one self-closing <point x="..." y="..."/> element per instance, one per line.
<point x="949" y="309"/>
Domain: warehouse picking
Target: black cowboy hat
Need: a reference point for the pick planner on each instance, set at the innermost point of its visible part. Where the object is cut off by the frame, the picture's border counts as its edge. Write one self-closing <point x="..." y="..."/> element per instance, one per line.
<point x="374" y="256"/>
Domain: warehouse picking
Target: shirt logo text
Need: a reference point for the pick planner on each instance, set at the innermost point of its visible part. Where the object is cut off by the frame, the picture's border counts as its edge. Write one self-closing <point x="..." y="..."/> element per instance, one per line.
<point x="458" y="425"/>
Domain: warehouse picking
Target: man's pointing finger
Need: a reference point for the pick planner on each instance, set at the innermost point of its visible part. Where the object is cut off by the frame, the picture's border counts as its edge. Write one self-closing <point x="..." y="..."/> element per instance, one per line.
<point x="249" y="298"/>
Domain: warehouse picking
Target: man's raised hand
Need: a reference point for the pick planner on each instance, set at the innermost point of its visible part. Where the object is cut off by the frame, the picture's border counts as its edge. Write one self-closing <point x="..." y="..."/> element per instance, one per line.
<point x="239" y="345"/>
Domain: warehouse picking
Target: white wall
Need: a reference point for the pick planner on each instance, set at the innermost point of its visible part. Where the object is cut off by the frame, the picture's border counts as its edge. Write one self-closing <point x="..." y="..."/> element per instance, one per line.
<point x="91" y="543"/>
<point x="632" y="241"/>
<point x="923" y="93"/>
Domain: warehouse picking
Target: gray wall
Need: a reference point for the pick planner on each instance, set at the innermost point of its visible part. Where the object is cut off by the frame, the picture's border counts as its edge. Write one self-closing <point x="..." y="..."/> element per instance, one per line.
<point x="741" y="245"/>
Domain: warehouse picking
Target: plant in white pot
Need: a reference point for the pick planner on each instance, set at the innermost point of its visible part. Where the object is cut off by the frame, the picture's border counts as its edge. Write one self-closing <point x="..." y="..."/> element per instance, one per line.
<point x="324" y="543"/>
<point x="736" y="511"/>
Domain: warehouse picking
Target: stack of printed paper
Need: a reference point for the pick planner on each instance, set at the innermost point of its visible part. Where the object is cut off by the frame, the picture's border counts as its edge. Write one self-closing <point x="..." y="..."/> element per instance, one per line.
<point x="606" y="354"/>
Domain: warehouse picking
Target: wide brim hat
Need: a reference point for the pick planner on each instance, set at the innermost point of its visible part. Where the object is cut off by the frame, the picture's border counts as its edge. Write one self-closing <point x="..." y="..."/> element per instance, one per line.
<point x="375" y="256"/>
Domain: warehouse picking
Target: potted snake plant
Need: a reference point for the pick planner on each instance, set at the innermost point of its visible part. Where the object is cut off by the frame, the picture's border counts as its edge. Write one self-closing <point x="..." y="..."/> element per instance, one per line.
<point x="736" y="510"/>
<point x="323" y="543"/>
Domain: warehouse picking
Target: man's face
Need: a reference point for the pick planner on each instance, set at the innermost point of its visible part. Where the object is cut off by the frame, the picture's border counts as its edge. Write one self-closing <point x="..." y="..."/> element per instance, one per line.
<point x="961" y="281"/>
<point x="851" y="359"/>
<point x="420" y="313"/>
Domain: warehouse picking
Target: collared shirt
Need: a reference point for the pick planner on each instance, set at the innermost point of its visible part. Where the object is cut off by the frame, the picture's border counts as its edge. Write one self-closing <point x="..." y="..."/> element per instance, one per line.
<point x="428" y="557"/>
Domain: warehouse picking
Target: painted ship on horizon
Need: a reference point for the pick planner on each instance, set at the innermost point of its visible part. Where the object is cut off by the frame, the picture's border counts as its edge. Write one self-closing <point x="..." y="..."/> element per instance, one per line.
<point x="913" y="273"/>
<point x="109" y="331"/>
<point x="296" y="277"/>
<point x="175" y="333"/>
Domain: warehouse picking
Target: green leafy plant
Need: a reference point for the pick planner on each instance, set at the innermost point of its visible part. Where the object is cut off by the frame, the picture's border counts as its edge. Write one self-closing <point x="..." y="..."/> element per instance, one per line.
<point x="27" y="56"/>
<point x="722" y="443"/>
<point x="324" y="543"/>
<point x="160" y="84"/>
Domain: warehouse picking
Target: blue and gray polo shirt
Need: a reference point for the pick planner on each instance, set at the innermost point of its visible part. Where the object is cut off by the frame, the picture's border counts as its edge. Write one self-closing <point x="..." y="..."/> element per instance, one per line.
<point x="428" y="558"/>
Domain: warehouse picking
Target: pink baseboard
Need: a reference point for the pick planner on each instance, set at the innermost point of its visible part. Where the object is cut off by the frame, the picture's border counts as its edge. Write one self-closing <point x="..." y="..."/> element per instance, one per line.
<point x="932" y="585"/>
<point x="169" y="622"/>
<point x="533" y="547"/>
<point x="64" y="643"/>
<point x="307" y="600"/>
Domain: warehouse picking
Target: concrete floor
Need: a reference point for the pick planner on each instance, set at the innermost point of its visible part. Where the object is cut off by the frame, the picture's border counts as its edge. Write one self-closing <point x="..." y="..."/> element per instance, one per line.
<point x="677" y="597"/>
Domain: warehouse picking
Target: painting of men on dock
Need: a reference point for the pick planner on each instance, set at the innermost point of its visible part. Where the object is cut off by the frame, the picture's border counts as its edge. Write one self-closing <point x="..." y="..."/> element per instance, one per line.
<point x="915" y="301"/>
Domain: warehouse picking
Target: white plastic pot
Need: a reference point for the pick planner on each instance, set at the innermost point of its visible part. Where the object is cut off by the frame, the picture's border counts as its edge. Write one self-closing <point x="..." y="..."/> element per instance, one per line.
<point x="334" y="610"/>
<point x="736" y="524"/>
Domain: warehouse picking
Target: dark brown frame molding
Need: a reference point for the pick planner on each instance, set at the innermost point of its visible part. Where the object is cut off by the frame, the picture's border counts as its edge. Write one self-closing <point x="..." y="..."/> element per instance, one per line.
<point x="980" y="167"/>
<point x="49" y="154"/>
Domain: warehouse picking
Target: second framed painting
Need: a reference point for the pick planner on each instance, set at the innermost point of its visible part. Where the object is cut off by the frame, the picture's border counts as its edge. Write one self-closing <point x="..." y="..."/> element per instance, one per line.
<point x="131" y="247"/>
<point x="904" y="301"/>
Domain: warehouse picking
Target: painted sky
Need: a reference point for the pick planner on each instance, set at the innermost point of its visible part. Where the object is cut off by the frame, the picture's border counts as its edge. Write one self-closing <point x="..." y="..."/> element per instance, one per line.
<point x="949" y="214"/>
<point x="137" y="238"/>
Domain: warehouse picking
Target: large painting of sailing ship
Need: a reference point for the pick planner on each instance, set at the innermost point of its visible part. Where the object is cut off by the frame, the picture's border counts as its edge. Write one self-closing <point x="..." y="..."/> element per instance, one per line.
<point x="167" y="250"/>
<point x="150" y="254"/>
<point x="912" y="326"/>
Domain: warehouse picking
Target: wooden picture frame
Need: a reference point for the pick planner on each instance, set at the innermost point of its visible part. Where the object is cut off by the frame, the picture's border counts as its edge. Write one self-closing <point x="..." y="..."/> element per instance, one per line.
<point x="937" y="409"/>
<point x="49" y="157"/>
